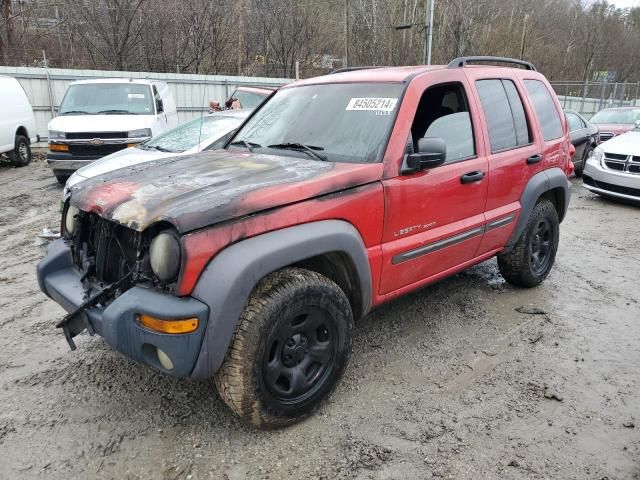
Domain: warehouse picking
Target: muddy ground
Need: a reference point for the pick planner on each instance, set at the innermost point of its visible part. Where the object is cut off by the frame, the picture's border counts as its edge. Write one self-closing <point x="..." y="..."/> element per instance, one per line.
<point x="449" y="382"/>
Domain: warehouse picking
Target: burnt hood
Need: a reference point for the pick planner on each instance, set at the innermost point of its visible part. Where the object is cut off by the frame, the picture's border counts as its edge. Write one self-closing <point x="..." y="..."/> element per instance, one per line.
<point x="199" y="190"/>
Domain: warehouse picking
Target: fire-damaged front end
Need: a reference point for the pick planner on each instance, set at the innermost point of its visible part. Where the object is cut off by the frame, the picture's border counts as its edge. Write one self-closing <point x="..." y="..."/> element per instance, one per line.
<point x="136" y="241"/>
<point x="119" y="283"/>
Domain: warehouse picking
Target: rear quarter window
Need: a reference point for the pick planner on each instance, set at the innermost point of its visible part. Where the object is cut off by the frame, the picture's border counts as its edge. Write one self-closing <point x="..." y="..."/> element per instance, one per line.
<point x="545" y="108"/>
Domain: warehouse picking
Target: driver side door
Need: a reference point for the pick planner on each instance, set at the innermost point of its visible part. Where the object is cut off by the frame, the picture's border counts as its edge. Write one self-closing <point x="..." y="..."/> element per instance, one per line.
<point x="434" y="218"/>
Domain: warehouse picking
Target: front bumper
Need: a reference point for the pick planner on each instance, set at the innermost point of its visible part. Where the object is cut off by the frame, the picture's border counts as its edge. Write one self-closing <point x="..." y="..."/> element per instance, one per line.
<point x="622" y="185"/>
<point x="118" y="323"/>
<point x="69" y="162"/>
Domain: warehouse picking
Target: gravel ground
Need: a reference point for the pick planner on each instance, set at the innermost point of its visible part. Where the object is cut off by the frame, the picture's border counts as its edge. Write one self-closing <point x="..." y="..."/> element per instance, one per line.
<point x="452" y="381"/>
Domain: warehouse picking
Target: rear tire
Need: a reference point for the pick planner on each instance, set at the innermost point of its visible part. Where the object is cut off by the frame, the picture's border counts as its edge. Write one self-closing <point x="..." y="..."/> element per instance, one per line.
<point x="291" y="346"/>
<point x="532" y="257"/>
<point x="20" y="156"/>
<point x="61" y="177"/>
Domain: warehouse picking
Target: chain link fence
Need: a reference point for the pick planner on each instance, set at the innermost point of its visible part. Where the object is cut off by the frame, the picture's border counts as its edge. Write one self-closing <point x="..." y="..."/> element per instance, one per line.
<point x="589" y="98"/>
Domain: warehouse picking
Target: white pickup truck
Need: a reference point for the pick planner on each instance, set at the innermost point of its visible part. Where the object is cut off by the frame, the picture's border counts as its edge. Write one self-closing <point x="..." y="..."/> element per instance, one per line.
<point x="100" y="117"/>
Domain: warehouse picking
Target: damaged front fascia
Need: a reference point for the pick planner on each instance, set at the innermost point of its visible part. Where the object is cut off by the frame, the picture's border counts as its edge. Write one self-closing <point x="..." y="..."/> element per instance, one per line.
<point x="211" y="187"/>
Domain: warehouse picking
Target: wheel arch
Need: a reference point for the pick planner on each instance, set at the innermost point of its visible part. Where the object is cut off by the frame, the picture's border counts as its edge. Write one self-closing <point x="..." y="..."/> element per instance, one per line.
<point x="331" y="247"/>
<point x="551" y="184"/>
<point x="22" y="130"/>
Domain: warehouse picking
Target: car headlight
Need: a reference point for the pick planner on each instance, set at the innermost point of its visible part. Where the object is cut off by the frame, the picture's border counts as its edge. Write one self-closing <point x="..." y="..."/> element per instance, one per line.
<point x="165" y="255"/>
<point x="56" y="135"/>
<point x="71" y="220"/>
<point x="598" y="155"/>
<point x="140" y="133"/>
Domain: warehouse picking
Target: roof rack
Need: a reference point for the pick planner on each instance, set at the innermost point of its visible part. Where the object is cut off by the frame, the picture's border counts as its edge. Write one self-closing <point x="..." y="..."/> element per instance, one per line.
<point x="351" y="69"/>
<point x="463" y="61"/>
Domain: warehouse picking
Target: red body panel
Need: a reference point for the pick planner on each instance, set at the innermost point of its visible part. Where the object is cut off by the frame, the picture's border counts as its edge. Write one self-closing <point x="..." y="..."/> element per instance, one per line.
<point x="398" y="213"/>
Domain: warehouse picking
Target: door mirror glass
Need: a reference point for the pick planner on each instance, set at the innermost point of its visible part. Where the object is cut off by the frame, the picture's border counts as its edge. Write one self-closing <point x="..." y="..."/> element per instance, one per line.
<point x="159" y="105"/>
<point x="432" y="152"/>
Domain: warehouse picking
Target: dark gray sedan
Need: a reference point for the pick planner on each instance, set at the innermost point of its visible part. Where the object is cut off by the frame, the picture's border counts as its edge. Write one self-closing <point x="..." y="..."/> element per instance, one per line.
<point x="585" y="137"/>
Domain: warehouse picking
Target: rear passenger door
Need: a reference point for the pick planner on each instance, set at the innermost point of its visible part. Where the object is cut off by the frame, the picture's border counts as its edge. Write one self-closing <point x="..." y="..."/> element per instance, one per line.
<point x="515" y="154"/>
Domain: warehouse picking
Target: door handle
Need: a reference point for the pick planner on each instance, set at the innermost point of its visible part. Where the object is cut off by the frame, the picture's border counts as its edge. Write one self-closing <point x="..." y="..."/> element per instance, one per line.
<point x="537" y="158"/>
<point x="471" y="177"/>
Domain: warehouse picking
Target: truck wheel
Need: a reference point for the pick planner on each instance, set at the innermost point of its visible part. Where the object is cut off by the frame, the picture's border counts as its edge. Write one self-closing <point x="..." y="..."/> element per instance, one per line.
<point x="61" y="177"/>
<point x="531" y="259"/>
<point x="21" y="155"/>
<point x="291" y="346"/>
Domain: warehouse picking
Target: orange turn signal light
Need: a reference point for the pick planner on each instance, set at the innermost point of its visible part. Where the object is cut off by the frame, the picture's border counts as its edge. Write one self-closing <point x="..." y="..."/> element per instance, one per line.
<point x="129" y="145"/>
<point x="185" y="325"/>
<point x="58" y="147"/>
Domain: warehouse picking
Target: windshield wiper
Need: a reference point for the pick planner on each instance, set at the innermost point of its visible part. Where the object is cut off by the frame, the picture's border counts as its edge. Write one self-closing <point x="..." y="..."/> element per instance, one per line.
<point x="116" y="112"/>
<point x="160" y="149"/>
<point x="248" y="145"/>
<point x="76" y="112"/>
<point x="309" y="149"/>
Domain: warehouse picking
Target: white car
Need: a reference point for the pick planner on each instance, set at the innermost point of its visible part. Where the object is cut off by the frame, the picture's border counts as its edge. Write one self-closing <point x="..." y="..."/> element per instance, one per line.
<point x="17" y="122"/>
<point x="614" y="168"/>
<point x="100" y="117"/>
<point x="208" y="132"/>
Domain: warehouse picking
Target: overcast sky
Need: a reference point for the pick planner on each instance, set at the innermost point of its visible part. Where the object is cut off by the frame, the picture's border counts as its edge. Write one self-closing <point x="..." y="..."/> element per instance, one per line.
<point x="626" y="3"/>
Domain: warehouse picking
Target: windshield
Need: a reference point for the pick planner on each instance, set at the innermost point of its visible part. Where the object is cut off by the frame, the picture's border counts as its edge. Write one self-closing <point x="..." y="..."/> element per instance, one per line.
<point x="344" y="122"/>
<point x="190" y="134"/>
<point x="107" y="98"/>
<point x="616" y="116"/>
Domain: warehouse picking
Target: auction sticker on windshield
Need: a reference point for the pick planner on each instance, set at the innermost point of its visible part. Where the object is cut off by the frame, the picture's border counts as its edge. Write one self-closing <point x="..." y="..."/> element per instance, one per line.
<point x="372" y="104"/>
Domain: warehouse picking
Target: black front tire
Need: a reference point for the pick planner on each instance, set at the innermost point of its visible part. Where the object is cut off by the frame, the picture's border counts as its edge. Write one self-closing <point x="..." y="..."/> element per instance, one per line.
<point x="61" y="177"/>
<point x="533" y="256"/>
<point x="580" y="168"/>
<point x="290" y="347"/>
<point x="20" y="156"/>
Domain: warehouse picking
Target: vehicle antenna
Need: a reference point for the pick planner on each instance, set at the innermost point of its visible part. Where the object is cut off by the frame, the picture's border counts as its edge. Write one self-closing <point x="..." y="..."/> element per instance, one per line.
<point x="204" y="96"/>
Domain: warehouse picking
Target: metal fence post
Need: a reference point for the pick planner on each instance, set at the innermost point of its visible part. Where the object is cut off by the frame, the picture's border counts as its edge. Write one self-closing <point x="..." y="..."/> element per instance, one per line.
<point x="584" y="95"/>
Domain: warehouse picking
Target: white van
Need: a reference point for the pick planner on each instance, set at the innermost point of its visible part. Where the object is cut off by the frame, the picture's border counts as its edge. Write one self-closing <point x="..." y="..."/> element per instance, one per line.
<point x="100" y="117"/>
<point x="17" y="122"/>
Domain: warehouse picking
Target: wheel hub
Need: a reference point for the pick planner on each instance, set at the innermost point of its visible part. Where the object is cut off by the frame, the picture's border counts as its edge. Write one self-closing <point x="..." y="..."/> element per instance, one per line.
<point x="295" y="350"/>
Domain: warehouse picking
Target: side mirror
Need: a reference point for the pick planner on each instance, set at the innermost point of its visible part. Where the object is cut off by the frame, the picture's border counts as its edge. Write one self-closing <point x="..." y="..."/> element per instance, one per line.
<point x="159" y="105"/>
<point x="637" y="123"/>
<point x="432" y="152"/>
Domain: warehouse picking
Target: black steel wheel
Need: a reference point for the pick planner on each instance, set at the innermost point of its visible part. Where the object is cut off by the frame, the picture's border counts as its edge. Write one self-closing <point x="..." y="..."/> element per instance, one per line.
<point x="530" y="260"/>
<point x="290" y="348"/>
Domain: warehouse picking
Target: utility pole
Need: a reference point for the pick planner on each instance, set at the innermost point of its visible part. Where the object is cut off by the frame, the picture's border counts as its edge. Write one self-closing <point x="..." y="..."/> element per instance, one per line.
<point x="346" y="34"/>
<point x="428" y="37"/>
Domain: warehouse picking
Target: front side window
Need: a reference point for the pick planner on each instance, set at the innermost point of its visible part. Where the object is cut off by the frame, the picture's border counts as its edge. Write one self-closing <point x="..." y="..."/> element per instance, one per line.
<point x="248" y="99"/>
<point x="107" y="99"/>
<point x="340" y="122"/>
<point x="207" y="128"/>
<point x="504" y="114"/>
<point x="545" y="109"/>
<point x="443" y="113"/>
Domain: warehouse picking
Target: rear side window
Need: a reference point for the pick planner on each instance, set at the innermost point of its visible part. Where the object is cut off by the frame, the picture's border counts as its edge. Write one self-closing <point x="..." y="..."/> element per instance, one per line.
<point x="504" y="114"/>
<point x="545" y="109"/>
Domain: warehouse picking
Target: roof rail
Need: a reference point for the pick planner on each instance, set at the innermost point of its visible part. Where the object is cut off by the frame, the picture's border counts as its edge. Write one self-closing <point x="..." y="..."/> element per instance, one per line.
<point x="351" y="69"/>
<point x="462" y="61"/>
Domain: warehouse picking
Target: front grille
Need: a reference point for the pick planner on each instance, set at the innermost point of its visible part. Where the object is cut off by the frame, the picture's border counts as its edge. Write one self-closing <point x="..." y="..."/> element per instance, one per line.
<point x="616" y="156"/>
<point x="91" y="135"/>
<point x="634" y="192"/>
<point x="615" y="165"/>
<point x="604" y="136"/>
<point x="105" y="250"/>
<point x="96" y="150"/>
<point x="634" y="168"/>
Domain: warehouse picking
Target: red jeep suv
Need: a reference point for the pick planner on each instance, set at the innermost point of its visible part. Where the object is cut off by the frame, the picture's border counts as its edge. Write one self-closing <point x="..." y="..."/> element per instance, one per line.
<point x="251" y="263"/>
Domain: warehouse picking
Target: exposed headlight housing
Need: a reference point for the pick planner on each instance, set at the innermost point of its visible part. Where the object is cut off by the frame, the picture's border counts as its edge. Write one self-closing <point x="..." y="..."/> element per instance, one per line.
<point x="71" y="220"/>
<point x="56" y="135"/>
<point x="165" y="256"/>
<point x="140" y="133"/>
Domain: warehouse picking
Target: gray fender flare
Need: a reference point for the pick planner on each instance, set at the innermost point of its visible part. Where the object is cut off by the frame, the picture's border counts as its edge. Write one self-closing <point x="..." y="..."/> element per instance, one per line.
<point x="539" y="184"/>
<point x="228" y="280"/>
